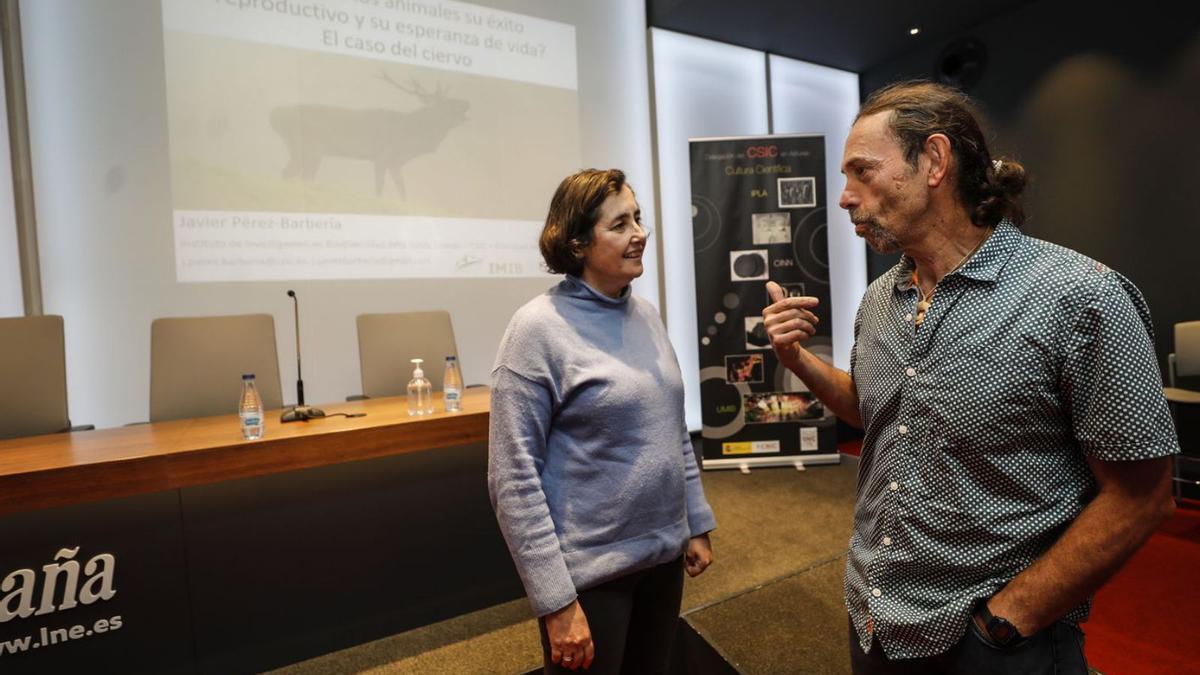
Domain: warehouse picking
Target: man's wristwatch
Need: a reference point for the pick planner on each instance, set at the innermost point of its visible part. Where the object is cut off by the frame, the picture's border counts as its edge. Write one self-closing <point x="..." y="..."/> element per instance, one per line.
<point x="999" y="630"/>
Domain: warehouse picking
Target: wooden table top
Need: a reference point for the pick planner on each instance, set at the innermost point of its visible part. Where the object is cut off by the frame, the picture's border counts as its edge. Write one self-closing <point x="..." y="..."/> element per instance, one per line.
<point x="39" y="472"/>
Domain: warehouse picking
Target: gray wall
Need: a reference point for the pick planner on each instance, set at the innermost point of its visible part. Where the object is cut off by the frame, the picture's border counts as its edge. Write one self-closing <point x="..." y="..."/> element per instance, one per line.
<point x="1102" y="106"/>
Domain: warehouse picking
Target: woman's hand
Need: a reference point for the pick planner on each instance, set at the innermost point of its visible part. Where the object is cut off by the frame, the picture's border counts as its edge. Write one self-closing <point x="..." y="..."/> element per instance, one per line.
<point x="570" y="637"/>
<point x="698" y="556"/>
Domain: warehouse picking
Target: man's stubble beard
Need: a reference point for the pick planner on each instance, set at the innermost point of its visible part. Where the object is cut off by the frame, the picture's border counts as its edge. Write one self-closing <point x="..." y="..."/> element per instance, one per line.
<point x="880" y="240"/>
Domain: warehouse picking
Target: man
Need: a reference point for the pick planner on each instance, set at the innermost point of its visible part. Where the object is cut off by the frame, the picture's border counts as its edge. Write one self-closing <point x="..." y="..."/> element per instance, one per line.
<point x="1017" y="444"/>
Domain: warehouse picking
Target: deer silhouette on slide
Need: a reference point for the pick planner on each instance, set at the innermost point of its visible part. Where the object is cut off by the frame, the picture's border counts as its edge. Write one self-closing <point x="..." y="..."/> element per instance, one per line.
<point x="389" y="138"/>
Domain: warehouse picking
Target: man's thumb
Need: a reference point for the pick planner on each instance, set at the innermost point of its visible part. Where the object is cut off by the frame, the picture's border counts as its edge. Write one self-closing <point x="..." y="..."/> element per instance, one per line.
<point x="775" y="291"/>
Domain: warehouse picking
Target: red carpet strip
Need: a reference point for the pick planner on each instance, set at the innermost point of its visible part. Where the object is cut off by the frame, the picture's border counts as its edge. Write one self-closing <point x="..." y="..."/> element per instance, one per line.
<point x="1145" y="619"/>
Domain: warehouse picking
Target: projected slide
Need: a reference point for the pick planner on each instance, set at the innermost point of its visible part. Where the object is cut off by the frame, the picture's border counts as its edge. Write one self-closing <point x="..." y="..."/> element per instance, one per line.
<point x="350" y="139"/>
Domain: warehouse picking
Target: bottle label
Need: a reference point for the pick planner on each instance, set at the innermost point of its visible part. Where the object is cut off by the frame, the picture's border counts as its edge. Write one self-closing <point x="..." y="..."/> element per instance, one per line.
<point x="251" y="421"/>
<point x="452" y="395"/>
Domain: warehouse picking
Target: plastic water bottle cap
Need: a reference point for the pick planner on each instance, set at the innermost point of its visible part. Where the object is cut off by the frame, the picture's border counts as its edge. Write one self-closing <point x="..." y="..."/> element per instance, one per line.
<point x="451" y="358"/>
<point x="248" y="376"/>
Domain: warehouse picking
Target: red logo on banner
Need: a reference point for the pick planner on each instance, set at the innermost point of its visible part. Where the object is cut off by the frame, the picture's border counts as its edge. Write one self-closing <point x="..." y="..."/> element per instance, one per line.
<point x="761" y="151"/>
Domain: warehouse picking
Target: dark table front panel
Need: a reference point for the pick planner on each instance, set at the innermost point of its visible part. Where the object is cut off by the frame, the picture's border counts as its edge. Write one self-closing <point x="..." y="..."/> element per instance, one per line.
<point x="289" y="566"/>
<point x="132" y="547"/>
<point x="253" y="573"/>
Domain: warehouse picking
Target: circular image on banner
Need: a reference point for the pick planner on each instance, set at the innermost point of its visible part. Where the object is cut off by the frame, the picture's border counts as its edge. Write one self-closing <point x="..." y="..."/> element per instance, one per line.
<point x="818" y="245"/>
<point x="706" y="223"/>
<point x="722" y="403"/>
<point x="812" y="249"/>
<point x="749" y="266"/>
<point x="786" y="380"/>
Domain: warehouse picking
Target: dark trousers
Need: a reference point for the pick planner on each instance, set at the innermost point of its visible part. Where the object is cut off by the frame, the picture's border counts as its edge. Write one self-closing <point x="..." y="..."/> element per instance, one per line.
<point x="632" y="620"/>
<point x="1056" y="650"/>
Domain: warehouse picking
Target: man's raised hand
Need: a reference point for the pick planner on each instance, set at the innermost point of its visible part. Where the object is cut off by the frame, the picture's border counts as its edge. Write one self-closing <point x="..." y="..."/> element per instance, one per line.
<point x="789" y="321"/>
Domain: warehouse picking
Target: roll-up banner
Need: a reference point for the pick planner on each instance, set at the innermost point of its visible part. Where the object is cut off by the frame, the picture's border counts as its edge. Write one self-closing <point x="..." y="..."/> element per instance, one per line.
<point x="758" y="214"/>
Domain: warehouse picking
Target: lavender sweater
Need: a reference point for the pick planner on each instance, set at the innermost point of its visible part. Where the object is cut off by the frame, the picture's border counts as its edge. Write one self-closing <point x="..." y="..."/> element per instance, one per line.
<point x="590" y="468"/>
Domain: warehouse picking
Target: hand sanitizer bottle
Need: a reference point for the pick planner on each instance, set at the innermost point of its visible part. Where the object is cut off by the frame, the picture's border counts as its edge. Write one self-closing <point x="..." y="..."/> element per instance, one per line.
<point x="420" y="392"/>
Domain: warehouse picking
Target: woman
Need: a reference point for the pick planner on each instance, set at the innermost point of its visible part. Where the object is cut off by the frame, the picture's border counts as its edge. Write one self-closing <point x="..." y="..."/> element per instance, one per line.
<point x="591" y="470"/>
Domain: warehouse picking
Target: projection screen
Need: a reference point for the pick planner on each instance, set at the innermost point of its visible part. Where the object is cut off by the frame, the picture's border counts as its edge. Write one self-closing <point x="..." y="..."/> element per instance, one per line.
<point x="202" y="157"/>
<point x="360" y="140"/>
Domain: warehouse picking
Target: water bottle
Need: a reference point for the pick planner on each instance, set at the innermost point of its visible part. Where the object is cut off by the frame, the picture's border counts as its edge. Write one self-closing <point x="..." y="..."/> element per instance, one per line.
<point x="452" y="385"/>
<point x="420" y="392"/>
<point x="250" y="409"/>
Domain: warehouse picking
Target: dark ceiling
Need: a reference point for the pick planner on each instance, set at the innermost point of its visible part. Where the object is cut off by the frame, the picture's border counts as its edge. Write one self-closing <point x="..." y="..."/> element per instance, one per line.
<point x="852" y="35"/>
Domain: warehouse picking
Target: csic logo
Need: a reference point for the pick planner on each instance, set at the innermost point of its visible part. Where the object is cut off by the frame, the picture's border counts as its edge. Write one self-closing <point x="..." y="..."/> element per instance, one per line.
<point x="762" y="151"/>
<point x="17" y="591"/>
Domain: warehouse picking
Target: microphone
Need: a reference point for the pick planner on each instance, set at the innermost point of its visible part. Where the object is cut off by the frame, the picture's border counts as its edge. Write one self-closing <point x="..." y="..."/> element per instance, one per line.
<point x="299" y="412"/>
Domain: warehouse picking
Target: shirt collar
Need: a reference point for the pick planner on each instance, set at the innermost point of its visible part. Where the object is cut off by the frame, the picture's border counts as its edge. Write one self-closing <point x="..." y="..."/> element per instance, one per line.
<point x="985" y="265"/>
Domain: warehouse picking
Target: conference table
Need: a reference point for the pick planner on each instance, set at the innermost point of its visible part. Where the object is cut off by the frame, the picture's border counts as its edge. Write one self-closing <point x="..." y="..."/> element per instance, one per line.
<point x="178" y="547"/>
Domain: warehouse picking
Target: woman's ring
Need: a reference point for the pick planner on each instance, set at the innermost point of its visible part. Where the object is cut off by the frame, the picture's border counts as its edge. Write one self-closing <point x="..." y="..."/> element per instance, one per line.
<point x="568" y="658"/>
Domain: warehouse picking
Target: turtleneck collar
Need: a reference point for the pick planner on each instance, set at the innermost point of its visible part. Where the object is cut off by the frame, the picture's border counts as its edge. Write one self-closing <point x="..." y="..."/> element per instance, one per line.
<point x="575" y="287"/>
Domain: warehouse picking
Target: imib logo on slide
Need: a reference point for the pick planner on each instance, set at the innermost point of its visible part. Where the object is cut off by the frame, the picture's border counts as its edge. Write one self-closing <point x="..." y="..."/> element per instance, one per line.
<point x="62" y="584"/>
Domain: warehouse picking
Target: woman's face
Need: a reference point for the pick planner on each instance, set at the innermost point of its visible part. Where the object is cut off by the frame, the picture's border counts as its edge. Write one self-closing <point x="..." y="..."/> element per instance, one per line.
<point x="614" y="257"/>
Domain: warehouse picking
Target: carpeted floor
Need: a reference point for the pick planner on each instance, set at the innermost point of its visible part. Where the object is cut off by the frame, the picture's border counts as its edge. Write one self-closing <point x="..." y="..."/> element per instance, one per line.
<point x="778" y="551"/>
<point x="772" y="602"/>
<point x="793" y="625"/>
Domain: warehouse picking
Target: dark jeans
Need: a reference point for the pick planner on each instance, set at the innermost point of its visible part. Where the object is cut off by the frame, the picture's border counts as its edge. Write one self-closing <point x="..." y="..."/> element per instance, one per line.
<point x="632" y="620"/>
<point x="1056" y="650"/>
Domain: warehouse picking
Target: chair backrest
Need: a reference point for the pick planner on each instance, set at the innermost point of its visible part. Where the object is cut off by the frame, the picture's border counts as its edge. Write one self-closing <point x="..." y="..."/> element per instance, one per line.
<point x="1187" y="349"/>
<point x="196" y="364"/>
<point x="33" y="368"/>
<point x="387" y="342"/>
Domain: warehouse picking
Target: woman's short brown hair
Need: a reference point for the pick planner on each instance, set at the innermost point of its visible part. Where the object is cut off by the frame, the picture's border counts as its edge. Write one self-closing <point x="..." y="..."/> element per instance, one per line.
<point x="574" y="210"/>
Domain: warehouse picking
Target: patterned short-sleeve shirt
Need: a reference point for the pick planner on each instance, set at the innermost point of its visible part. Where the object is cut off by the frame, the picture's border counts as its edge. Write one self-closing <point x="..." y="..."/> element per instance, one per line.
<point x="978" y="424"/>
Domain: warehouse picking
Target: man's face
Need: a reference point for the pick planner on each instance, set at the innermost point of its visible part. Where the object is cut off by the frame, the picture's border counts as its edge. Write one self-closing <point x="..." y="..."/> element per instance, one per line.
<point x="885" y="196"/>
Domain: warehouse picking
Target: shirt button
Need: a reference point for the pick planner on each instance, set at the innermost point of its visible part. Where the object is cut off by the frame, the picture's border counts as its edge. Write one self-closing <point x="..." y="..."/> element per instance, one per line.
<point x="887" y="541"/>
<point x="911" y="372"/>
<point x="903" y="429"/>
<point x="893" y="486"/>
<point x="908" y="317"/>
<point x="876" y="592"/>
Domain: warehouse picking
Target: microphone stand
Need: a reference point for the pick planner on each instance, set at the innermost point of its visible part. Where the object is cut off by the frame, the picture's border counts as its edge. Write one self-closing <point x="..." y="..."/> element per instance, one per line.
<point x="299" y="412"/>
